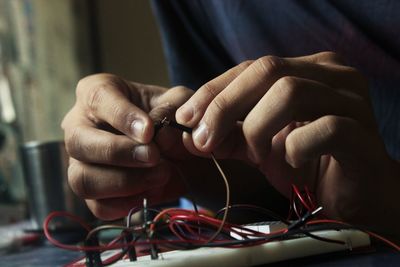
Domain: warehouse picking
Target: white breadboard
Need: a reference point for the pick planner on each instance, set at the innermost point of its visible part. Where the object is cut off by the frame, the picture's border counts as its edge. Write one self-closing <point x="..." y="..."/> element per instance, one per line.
<point x="250" y="256"/>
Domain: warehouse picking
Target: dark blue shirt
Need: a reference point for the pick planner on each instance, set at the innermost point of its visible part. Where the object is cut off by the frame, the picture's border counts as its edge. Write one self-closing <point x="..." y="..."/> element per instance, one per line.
<point x="204" y="38"/>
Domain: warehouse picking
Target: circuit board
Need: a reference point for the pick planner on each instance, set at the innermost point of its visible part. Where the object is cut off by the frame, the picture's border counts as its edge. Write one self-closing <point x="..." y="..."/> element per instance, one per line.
<point x="251" y="256"/>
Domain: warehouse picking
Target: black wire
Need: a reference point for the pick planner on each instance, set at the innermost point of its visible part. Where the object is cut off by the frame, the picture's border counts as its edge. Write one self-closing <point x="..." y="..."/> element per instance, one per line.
<point x="181" y="127"/>
<point x="123" y="253"/>
<point x="296" y="233"/>
<point x="324" y="239"/>
<point x="207" y="228"/>
<point x="262" y="210"/>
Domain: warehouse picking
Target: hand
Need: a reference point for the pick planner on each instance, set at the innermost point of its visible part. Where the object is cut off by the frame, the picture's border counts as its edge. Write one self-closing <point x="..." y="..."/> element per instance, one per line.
<point x="114" y="161"/>
<point x="287" y="116"/>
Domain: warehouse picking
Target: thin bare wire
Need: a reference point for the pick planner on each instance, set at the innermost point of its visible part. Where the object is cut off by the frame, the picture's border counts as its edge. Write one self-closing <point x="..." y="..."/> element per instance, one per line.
<point x="228" y="200"/>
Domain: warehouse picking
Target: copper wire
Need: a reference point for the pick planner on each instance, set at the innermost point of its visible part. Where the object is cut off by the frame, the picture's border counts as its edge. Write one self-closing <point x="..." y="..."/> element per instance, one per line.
<point x="227" y="202"/>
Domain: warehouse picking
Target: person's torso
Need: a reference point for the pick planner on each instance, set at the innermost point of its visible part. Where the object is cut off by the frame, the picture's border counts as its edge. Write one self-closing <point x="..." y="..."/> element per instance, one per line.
<point x="214" y="35"/>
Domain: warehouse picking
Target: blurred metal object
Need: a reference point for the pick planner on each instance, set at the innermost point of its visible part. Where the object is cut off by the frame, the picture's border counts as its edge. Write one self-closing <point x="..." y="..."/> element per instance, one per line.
<point x="45" y="168"/>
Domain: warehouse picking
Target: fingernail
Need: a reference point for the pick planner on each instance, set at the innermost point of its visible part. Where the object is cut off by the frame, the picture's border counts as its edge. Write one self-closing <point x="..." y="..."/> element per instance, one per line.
<point x="200" y="134"/>
<point x="137" y="128"/>
<point x="185" y="113"/>
<point x="141" y="153"/>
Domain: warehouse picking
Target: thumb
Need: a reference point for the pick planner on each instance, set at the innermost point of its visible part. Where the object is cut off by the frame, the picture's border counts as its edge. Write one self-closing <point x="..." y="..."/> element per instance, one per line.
<point x="233" y="146"/>
<point x="169" y="139"/>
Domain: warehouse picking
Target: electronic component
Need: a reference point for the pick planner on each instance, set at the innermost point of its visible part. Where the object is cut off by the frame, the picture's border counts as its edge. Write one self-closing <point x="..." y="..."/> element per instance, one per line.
<point x="93" y="258"/>
<point x="255" y="255"/>
<point x="199" y="239"/>
<point x="173" y="124"/>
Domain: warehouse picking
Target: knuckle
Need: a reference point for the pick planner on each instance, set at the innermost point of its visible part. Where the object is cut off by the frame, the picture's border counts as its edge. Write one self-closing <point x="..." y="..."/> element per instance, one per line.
<point x="220" y="103"/>
<point x="250" y="132"/>
<point x="291" y="147"/>
<point x="78" y="179"/>
<point x="210" y="89"/>
<point x="96" y="95"/>
<point x="287" y="89"/>
<point x="90" y="90"/>
<point x="68" y="118"/>
<point x="332" y="126"/>
<point x="295" y="153"/>
<point x="245" y="64"/>
<point x="180" y="90"/>
<point x="73" y="142"/>
<point x="120" y="118"/>
<point x="268" y="66"/>
<point x="331" y="57"/>
<point x="256" y="140"/>
<point x="109" y="152"/>
<point x="82" y="85"/>
<point x="179" y="93"/>
<point x="85" y="83"/>
<point x="99" y="210"/>
<point x="252" y="135"/>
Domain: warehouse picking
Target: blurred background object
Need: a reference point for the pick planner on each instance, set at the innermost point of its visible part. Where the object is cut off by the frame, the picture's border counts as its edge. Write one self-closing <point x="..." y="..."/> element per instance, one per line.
<point x="45" y="169"/>
<point x="12" y="194"/>
<point x="49" y="45"/>
<point x="129" y="42"/>
<point x="46" y="46"/>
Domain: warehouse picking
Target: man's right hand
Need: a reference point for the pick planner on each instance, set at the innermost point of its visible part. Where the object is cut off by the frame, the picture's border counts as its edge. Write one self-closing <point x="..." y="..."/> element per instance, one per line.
<point x="109" y="135"/>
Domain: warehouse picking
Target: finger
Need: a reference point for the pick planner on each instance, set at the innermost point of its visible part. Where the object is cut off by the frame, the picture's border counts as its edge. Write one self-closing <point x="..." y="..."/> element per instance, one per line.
<point x="97" y="146"/>
<point x="236" y="100"/>
<point x="341" y="76"/>
<point x="323" y="58"/>
<point x="167" y="103"/>
<point x="115" y="208"/>
<point x="272" y="68"/>
<point x="348" y="141"/>
<point x="234" y="146"/>
<point x="106" y="99"/>
<point x="188" y="113"/>
<point x="295" y="99"/>
<point x="174" y="97"/>
<point x="91" y="181"/>
<point x="168" y="139"/>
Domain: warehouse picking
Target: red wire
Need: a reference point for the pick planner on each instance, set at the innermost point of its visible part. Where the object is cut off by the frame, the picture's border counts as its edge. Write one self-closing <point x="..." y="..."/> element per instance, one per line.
<point x="381" y="238"/>
<point x="300" y="197"/>
<point x="188" y="222"/>
<point x="310" y="198"/>
<point x="62" y="214"/>
<point x="184" y="219"/>
<point x="192" y="231"/>
<point x="73" y="263"/>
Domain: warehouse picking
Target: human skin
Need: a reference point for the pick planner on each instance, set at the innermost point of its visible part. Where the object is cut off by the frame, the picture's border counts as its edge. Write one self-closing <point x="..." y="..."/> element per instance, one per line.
<point x="307" y="121"/>
<point x="277" y="117"/>
<point x="113" y="165"/>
